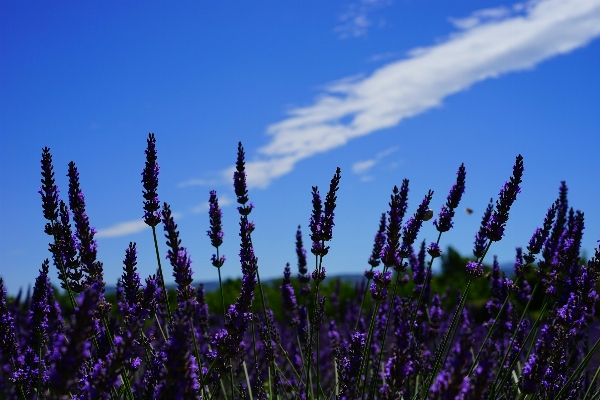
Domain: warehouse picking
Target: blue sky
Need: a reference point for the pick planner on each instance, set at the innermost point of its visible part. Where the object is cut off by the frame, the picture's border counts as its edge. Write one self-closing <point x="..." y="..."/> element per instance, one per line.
<point x="385" y="90"/>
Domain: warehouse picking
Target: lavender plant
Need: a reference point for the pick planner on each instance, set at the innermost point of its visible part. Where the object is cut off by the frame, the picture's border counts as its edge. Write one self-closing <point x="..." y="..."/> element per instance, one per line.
<point x="398" y="335"/>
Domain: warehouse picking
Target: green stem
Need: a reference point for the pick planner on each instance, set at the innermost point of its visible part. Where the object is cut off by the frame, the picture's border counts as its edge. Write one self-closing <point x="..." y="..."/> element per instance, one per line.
<point x="594" y="379"/>
<point x="387" y="324"/>
<point x="578" y="370"/>
<point x="162" y="278"/>
<point x="532" y="334"/>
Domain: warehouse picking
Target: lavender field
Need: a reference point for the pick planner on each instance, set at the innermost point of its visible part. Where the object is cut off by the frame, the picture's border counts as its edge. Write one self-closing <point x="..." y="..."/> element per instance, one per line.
<point x="397" y="334"/>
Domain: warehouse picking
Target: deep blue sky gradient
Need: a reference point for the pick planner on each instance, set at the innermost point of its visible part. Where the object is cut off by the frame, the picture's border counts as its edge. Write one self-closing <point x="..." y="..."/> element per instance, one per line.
<point x="91" y="79"/>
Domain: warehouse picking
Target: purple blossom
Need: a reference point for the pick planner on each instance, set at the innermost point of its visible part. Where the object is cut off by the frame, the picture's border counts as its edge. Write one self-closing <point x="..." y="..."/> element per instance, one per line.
<point x="75" y="347"/>
<point x="379" y="243"/>
<point x="474" y="269"/>
<point x="214" y="213"/>
<point x="179" y="259"/>
<point x="350" y="367"/>
<point x="239" y="182"/>
<point x="413" y="225"/>
<point x="288" y="297"/>
<point x="390" y="253"/>
<point x="150" y="183"/>
<point x="444" y="221"/>
<point x="540" y="235"/>
<point x="8" y="338"/>
<point x="330" y="199"/>
<point x="64" y="253"/>
<point x="508" y="194"/>
<point x="180" y="377"/>
<point x="85" y="234"/>
<point x="434" y="250"/>
<point x="49" y="191"/>
<point x="481" y="236"/>
<point x="381" y="283"/>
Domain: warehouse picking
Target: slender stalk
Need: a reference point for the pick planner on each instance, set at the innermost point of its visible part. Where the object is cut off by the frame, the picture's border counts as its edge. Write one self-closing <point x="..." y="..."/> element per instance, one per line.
<point x="512" y="341"/>
<point x="162" y="278"/>
<point x="367" y="352"/>
<point x="387" y="324"/>
<point x="532" y="334"/>
<point x="578" y="370"/>
<point x="247" y="380"/>
<point x="362" y="302"/>
<point x="594" y="379"/>
<point x="438" y="360"/>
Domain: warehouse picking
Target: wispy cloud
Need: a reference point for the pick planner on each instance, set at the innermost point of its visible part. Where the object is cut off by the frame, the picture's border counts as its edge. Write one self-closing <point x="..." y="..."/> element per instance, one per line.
<point x="122" y="229"/>
<point x="355" y="21"/>
<point x="516" y="40"/>
<point x="127" y="228"/>
<point x="198" y="182"/>
<point x="224" y="201"/>
<point x="361" y="168"/>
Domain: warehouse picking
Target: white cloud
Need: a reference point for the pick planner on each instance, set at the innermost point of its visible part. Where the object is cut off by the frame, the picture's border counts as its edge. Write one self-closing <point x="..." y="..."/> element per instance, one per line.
<point x="223" y="202"/>
<point x="499" y="42"/>
<point x="362" y="167"/>
<point x="197" y="182"/>
<point x="355" y="20"/>
<point x="128" y="227"/>
<point x="122" y="229"/>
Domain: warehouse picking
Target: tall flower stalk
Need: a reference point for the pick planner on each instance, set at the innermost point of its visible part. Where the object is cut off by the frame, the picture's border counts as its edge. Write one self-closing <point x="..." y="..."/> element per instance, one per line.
<point x="152" y="216"/>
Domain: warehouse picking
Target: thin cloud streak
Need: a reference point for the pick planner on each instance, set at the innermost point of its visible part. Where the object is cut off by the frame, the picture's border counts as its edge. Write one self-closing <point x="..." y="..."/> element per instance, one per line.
<point x="350" y="108"/>
<point x="127" y="228"/>
<point x="224" y="201"/>
<point x="362" y="167"/>
<point x="122" y="229"/>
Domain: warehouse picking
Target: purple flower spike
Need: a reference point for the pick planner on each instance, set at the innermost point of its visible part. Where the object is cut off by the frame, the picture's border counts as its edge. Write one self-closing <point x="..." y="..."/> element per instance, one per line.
<point x="434" y="250"/>
<point x="8" y="339"/>
<point x="508" y="194"/>
<point x="398" y="205"/>
<point x="289" y="298"/>
<point x="239" y="182"/>
<point x="150" y="182"/>
<point x="381" y="283"/>
<point x="303" y="275"/>
<point x="330" y="206"/>
<point x="74" y="348"/>
<point x="214" y="213"/>
<point x="379" y="243"/>
<point x="350" y="367"/>
<point x="83" y="231"/>
<point x="49" y="191"/>
<point x="540" y="235"/>
<point x="179" y="259"/>
<point x="474" y="269"/>
<point x="481" y="237"/>
<point x="413" y="226"/>
<point x="444" y="221"/>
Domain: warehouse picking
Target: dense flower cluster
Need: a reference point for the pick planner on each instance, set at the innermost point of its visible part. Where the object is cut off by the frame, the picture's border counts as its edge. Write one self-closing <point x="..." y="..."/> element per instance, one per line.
<point x="396" y="337"/>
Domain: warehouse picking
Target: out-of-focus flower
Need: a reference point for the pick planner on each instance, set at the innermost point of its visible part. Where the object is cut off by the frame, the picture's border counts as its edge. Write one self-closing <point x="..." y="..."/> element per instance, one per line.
<point x="434" y="250"/>
<point x="74" y="348"/>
